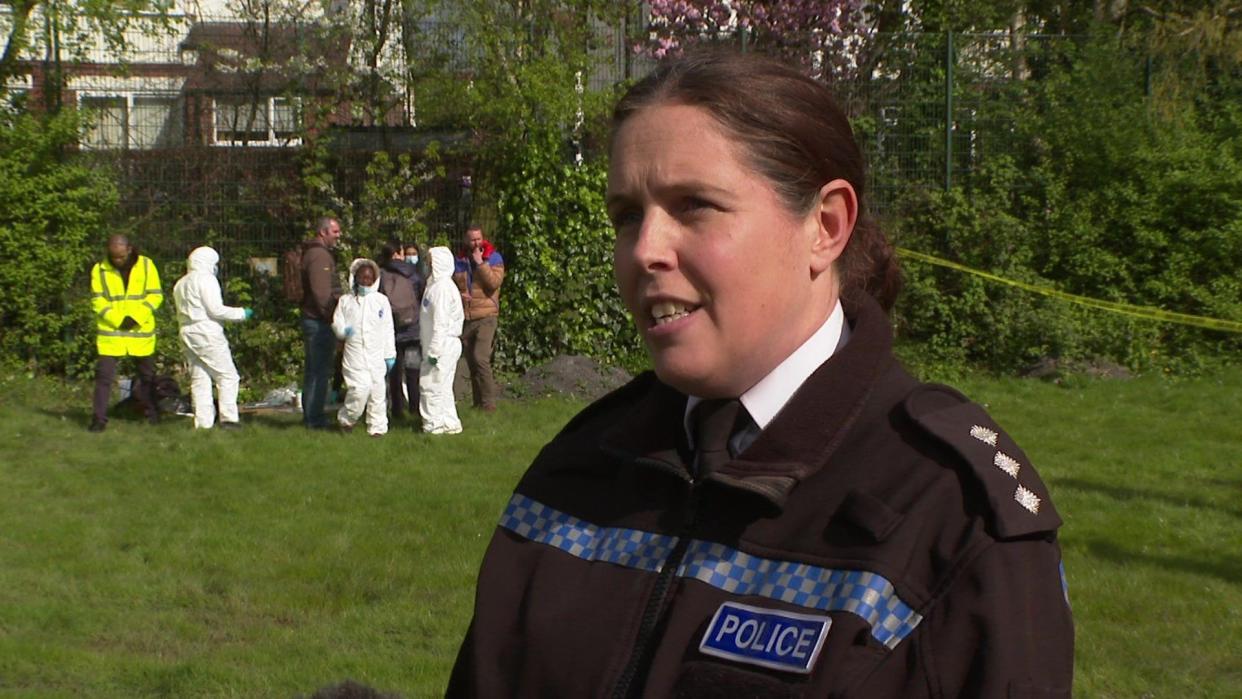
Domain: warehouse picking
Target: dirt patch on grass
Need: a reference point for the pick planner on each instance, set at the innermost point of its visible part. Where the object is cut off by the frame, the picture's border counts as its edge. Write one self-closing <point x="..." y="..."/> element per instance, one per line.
<point x="572" y="375"/>
<point x="1058" y="370"/>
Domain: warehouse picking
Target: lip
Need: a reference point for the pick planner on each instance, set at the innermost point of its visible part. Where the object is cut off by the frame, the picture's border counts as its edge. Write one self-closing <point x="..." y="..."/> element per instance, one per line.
<point x="657" y="331"/>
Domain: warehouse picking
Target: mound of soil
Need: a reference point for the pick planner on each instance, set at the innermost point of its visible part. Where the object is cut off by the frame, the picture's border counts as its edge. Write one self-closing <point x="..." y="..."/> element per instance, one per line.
<point x="576" y="376"/>
<point x="1057" y="370"/>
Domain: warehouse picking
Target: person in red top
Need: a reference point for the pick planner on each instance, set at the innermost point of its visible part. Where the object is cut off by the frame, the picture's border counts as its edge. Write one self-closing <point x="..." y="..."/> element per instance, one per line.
<point x="478" y="273"/>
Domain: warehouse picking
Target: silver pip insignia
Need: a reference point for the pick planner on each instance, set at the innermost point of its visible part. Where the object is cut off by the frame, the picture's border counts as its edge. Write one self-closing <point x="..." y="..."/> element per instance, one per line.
<point x="984" y="435"/>
<point x="1006" y="463"/>
<point x="1027" y="499"/>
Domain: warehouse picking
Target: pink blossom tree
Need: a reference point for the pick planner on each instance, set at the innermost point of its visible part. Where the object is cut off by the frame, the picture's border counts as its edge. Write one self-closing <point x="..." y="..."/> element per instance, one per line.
<point x="821" y="35"/>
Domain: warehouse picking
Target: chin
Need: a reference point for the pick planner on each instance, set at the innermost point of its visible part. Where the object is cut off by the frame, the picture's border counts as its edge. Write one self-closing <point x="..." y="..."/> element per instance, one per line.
<point x="694" y="381"/>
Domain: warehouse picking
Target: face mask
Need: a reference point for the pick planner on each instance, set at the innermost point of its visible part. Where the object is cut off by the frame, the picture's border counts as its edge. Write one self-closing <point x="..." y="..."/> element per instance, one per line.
<point x="215" y="270"/>
<point x="412" y="259"/>
<point x="362" y="290"/>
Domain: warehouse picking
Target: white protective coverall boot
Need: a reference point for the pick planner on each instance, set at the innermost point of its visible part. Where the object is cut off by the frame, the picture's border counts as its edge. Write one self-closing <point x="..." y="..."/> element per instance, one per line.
<point x="200" y="312"/>
<point x="439" y="325"/>
<point x="363" y="319"/>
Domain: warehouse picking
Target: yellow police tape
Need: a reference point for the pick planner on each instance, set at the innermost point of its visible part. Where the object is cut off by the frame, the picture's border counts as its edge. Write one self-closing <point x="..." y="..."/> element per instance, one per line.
<point x="1144" y="312"/>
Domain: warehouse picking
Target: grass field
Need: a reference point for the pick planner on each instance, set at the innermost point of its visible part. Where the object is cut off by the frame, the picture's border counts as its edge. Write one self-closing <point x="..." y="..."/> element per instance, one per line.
<point x="147" y="562"/>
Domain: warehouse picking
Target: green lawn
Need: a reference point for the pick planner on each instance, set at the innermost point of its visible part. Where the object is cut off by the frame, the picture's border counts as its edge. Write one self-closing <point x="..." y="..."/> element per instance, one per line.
<point x="163" y="562"/>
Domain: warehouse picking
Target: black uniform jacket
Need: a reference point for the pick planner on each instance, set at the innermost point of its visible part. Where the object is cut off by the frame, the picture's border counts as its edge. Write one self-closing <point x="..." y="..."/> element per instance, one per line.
<point x="880" y="538"/>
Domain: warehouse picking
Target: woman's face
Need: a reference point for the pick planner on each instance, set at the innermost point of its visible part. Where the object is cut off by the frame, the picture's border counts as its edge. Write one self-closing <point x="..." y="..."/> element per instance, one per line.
<point x="713" y="266"/>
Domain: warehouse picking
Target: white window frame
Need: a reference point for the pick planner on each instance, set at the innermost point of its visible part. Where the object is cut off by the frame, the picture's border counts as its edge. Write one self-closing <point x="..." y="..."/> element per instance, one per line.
<point x="16" y="93"/>
<point x="128" y="127"/>
<point x="86" y="143"/>
<point x="272" y="139"/>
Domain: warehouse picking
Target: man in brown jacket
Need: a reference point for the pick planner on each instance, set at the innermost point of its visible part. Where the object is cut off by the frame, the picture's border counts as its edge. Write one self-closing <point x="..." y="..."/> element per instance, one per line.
<point x="478" y="273"/>
<point x="321" y="288"/>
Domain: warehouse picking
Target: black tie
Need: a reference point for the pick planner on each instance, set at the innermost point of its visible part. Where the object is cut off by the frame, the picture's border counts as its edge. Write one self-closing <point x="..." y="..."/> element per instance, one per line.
<point x="713" y="423"/>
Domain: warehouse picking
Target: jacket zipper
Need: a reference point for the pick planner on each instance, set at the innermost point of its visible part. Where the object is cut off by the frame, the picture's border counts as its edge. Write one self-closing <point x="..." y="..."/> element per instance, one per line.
<point x="640" y="660"/>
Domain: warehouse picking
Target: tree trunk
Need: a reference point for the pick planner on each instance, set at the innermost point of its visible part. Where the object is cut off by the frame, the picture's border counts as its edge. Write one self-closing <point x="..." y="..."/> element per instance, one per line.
<point x="16" y="42"/>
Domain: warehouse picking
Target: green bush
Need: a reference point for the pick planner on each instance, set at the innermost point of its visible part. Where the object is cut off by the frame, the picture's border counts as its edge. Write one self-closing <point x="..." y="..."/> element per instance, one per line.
<point x="560" y="297"/>
<point x="389" y="205"/>
<point x="957" y="318"/>
<point x="1106" y="189"/>
<point x="53" y="221"/>
<point x="267" y="349"/>
<point x="1111" y="195"/>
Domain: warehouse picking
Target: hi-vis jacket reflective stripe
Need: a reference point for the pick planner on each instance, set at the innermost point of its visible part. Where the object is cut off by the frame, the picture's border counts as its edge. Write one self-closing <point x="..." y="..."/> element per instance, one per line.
<point x="112" y="301"/>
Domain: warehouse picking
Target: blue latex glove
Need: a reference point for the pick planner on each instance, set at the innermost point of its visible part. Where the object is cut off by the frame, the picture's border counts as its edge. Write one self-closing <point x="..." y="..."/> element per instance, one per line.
<point x="431" y="361"/>
<point x="390" y="362"/>
<point x="249" y="313"/>
<point x="349" y="332"/>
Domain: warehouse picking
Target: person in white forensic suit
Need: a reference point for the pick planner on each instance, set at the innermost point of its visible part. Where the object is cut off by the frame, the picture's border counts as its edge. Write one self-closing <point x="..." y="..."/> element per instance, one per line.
<point x="363" y="319"/>
<point x="440" y="319"/>
<point x="200" y="313"/>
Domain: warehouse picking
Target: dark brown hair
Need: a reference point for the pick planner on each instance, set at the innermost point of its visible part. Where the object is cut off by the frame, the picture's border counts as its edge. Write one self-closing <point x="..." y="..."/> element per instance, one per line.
<point x="387" y="250"/>
<point x="793" y="133"/>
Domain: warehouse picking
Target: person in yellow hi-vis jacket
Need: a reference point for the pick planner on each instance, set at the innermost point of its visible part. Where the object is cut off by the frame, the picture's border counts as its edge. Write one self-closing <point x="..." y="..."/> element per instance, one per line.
<point x="125" y="291"/>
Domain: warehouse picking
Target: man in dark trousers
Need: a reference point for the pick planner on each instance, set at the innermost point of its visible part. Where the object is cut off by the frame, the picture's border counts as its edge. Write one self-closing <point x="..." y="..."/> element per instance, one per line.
<point x="321" y="288"/>
<point x="125" y="291"/>
<point x="478" y="273"/>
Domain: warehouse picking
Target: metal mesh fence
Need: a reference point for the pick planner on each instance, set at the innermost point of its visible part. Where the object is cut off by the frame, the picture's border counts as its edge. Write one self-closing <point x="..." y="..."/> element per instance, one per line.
<point x="251" y="204"/>
<point x="929" y="109"/>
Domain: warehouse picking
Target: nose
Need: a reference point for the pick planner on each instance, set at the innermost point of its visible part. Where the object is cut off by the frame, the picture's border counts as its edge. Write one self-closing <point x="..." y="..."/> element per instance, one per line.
<point x="653" y="247"/>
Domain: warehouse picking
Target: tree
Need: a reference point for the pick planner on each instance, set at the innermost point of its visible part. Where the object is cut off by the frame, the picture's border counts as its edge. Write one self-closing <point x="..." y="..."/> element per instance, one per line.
<point x="57" y="30"/>
<point x="51" y="212"/>
<point x="523" y="93"/>
<point x="811" y="33"/>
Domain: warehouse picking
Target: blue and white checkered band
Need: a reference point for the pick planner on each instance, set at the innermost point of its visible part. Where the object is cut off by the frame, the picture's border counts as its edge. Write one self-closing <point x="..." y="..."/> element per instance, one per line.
<point x="1064" y="583"/>
<point x="858" y="592"/>
<point x="631" y="548"/>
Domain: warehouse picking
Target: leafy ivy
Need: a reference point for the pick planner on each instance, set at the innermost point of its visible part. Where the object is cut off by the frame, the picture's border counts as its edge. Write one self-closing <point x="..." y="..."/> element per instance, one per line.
<point x="560" y="297"/>
<point x="54" y="215"/>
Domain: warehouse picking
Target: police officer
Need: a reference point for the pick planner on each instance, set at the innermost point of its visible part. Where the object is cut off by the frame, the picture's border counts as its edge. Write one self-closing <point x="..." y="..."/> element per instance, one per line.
<point x="778" y="509"/>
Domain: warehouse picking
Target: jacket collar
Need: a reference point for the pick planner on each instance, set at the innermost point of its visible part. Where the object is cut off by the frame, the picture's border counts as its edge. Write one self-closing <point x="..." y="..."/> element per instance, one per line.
<point x="401" y="267"/>
<point x="798" y="441"/>
<point x="125" y="266"/>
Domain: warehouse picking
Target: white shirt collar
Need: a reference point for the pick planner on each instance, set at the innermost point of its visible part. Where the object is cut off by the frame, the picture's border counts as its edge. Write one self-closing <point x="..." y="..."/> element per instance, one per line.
<point x="766" y="398"/>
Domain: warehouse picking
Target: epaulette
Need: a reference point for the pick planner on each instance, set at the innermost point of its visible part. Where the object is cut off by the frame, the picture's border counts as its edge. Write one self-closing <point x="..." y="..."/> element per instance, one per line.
<point x="1017" y="497"/>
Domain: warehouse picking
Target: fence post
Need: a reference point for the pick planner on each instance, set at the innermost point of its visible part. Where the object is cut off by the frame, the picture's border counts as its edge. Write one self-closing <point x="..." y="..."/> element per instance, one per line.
<point x="948" y="111"/>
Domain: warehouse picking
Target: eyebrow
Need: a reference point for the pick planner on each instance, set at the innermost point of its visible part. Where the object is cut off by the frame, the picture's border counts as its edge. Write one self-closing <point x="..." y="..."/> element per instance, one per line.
<point x="685" y="187"/>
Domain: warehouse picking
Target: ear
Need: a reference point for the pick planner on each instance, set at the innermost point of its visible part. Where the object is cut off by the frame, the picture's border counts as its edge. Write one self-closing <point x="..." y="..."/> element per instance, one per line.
<point x="833" y="218"/>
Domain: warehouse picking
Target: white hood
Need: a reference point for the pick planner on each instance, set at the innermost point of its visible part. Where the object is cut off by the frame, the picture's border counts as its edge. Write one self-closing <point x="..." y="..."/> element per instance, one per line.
<point x="197" y="296"/>
<point x="441" y="264"/>
<point x="203" y="259"/>
<point x="439" y="328"/>
<point x="358" y="263"/>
